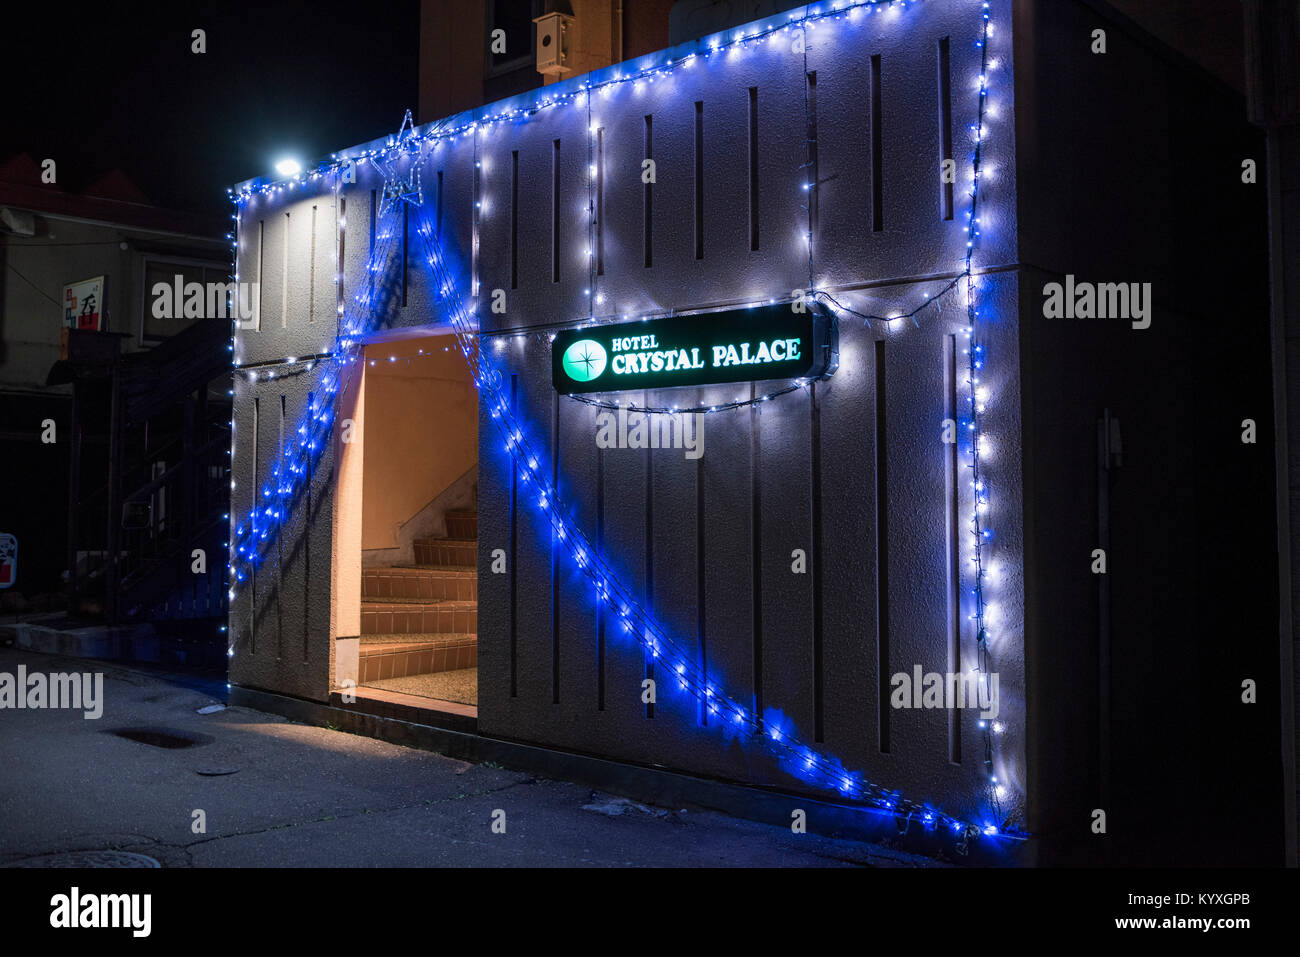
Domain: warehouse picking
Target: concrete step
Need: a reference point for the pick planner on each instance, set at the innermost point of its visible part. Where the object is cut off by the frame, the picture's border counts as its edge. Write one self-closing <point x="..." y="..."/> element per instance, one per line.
<point x="462" y="523"/>
<point x="408" y="582"/>
<point x="400" y="656"/>
<point x="380" y="617"/>
<point x="460" y="552"/>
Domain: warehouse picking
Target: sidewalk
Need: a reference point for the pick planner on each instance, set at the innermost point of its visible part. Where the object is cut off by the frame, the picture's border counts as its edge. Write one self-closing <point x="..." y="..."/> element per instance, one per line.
<point x="284" y="794"/>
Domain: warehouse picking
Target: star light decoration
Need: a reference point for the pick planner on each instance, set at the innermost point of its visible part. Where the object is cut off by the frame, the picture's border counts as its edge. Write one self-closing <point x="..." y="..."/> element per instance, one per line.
<point x="399" y="187"/>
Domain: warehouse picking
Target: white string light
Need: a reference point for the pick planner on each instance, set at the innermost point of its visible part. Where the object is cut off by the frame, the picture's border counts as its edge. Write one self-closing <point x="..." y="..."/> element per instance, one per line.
<point x="250" y="542"/>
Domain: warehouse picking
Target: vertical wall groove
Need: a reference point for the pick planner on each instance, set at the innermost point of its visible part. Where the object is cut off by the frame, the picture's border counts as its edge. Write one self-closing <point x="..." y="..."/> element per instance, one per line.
<point x="279" y="553"/>
<point x="700" y="578"/>
<point x="555" y="578"/>
<point x="756" y="545"/>
<point x="306" y="545"/>
<point x="699" y="179"/>
<point x="284" y="276"/>
<point x="952" y="507"/>
<point x="600" y="201"/>
<point x="514" y="554"/>
<point x="311" y="270"/>
<point x="649" y="554"/>
<point x="813" y="179"/>
<point x="252" y="570"/>
<point x="374" y="212"/>
<point x="647" y="190"/>
<point x="945" y="126"/>
<point x="406" y="237"/>
<point x="475" y="222"/>
<point x="555" y="211"/>
<point x="261" y="268"/>
<point x="600" y="607"/>
<point x="340" y="226"/>
<point x="514" y="219"/>
<point x="877" y="150"/>
<point x="882" y="550"/>
<point x="815" y="434"/>
<point x="437" y="222"/>
<point x="753" y="169"/>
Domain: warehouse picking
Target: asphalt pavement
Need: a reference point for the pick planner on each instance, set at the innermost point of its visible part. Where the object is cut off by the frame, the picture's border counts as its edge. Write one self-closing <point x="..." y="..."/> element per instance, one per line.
<point x="240" y="788"/>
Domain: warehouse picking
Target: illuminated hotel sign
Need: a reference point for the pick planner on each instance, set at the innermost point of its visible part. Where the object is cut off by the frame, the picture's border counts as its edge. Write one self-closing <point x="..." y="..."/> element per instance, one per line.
<point x="738" y="345"/>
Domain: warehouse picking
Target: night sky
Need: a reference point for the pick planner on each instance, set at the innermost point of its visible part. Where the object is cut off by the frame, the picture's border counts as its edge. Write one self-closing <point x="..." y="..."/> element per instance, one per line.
<point x="105" y="86"/>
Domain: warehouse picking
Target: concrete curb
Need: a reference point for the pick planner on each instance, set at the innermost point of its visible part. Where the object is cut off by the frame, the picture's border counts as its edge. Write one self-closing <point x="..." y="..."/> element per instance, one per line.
<point x="122" y="643"/>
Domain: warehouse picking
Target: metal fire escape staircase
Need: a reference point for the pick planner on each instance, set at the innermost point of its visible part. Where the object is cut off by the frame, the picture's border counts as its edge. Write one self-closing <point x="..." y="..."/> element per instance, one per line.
<point x="165" y="489"/>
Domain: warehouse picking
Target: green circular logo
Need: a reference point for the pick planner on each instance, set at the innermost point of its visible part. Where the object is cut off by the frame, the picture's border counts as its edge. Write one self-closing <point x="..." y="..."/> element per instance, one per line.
<point x="584" y="360"/>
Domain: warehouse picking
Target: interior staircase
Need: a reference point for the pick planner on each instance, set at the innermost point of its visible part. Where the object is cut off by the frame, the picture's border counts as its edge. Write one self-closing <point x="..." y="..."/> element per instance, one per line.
<point x="422" y="619"/>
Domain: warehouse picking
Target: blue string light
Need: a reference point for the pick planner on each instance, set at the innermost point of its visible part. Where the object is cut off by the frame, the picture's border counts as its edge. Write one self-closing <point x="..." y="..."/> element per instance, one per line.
<point x="980" y="533"/>
<point x="251" y="541"/>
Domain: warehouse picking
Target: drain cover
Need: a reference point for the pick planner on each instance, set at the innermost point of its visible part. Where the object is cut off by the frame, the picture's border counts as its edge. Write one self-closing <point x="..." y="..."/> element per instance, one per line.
<point x="89" y="859"/>
<point x="170" y="738"/>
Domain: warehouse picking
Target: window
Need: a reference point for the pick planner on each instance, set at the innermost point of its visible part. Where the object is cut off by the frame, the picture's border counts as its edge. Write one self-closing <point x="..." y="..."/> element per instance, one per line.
<point x="516" y="19"/>
<point x="154" y="329"/>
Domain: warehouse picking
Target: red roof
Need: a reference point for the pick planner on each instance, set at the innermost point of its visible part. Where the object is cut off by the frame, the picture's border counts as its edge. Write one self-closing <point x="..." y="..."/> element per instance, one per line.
<point x="112" y="198"/>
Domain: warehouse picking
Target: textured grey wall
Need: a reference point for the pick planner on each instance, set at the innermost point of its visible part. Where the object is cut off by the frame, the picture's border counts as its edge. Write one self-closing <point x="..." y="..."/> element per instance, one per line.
<point x="709" y="542"/>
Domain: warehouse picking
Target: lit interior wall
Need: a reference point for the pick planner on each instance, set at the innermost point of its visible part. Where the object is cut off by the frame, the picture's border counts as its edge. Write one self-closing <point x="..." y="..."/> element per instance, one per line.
<point x="422" y="431"/>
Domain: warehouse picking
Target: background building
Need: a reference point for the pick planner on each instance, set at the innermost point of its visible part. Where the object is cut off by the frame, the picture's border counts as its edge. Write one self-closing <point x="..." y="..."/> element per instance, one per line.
<point x="460" y="71"/>
<point x="134" y="463"/>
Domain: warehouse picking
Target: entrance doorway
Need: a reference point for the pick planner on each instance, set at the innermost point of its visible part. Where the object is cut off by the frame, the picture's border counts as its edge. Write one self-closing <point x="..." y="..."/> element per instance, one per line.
<point x="419" y="525"/>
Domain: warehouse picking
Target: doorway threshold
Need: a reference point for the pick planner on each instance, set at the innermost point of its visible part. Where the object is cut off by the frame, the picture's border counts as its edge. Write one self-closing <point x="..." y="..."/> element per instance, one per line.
<point x="416" y="709"/>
